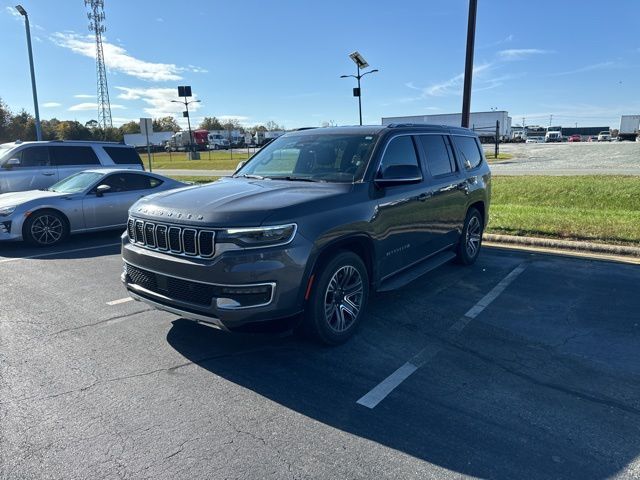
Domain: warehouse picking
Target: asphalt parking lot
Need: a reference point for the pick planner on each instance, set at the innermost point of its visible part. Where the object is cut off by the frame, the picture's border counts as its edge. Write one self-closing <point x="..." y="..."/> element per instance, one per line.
<point x="522" y="366"/>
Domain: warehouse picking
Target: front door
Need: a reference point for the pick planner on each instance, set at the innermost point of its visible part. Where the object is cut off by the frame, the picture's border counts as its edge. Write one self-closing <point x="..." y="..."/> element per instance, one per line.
<point x="111" y="209"/>
<point x="398" y="223"/>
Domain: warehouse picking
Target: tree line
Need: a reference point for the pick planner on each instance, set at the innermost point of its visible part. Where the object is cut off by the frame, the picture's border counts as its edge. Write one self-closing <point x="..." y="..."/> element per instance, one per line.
<point x="22" y="126"/>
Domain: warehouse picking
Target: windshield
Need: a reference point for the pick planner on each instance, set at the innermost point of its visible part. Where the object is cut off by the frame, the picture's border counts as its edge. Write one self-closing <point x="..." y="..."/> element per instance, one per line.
<point x="312" y="157"/>
<point x="5" y="149"/>
<point x="76" y="183"/>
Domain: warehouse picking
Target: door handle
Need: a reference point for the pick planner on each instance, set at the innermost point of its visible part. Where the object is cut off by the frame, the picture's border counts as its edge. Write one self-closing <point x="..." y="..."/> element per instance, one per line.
<point x="424" y="196"/>
<point x="48" y="174"/>
<point x="464" y="186"/>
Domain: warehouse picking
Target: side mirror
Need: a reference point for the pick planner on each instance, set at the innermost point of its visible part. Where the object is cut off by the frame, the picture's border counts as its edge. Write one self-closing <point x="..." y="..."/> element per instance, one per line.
<point x="398" y="175"/>
<point x="240" y="165"/>
<point x="12" y="162"/>
<point x="467" y="164"/>
<point x="102" y="189"/>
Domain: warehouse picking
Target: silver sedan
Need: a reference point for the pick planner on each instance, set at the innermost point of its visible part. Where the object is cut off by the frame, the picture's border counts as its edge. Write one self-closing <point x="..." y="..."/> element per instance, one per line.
<point x="88" y="201"/>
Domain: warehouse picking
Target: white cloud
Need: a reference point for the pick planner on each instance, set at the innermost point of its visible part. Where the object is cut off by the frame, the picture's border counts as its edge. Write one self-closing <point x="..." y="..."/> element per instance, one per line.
<point x="159" y="101"/>
<point x="13" y="12"/>
<point x="51" y="104"/>
<point x="118" y="59"/>
<point x="519" y="53"/>
<point x="93" y="106"/>
<point x="448" y="87"/>
<point x="587" y="68"/>
<point x="84" y="95"/>
<point x="507" y="39"/>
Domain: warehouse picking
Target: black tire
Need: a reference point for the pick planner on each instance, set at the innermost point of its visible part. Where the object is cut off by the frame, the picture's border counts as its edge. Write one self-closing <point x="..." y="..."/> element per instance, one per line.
<point x="471" y="238"/>
<point x="45" y="228"/>
<point x="333" y="315"/>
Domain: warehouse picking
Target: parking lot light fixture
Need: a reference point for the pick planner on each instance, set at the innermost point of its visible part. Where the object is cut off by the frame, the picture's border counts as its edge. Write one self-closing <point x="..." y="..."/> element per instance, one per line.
<point x="360" y="62"/>
<point x="23" y="12"/>
<point x="186" y="106"/>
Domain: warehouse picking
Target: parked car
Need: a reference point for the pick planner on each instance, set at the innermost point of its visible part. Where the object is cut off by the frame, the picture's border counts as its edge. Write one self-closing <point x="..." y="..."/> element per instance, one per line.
<point x="604" y="136"/>
<point x="593" y="138"/>
<point x="312" y="223"/>
<point x="575" y="138"/>
<point x="535" y="140"/>
<point x="34" y="165"/>
<point x="87" y="201"/>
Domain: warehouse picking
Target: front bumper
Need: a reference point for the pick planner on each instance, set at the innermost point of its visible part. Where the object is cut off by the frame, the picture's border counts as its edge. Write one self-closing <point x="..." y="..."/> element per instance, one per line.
<point x="10" y="229"/>
<point x="227" y="291"/>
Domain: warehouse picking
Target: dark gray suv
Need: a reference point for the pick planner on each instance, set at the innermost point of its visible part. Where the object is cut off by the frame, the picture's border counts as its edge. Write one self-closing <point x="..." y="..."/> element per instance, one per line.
<point x="310" y="226"/>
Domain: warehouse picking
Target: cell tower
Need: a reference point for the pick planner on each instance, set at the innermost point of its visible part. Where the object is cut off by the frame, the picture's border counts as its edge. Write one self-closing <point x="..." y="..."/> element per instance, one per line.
<point x="96" y="25"/>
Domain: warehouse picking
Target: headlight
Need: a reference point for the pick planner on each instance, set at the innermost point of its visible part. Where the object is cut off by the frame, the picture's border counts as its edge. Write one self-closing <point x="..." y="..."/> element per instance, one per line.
<point x="259" y="236"/>
<point x="6" y="211"/>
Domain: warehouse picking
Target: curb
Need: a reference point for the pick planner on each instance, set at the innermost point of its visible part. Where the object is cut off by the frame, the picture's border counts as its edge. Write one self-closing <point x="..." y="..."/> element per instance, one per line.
<point x="587" y="247"/>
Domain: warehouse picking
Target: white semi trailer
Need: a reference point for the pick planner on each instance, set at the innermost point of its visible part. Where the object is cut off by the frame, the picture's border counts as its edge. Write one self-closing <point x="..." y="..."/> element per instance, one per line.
<point x="629" y="127"/>
<point x="483" y="123"/>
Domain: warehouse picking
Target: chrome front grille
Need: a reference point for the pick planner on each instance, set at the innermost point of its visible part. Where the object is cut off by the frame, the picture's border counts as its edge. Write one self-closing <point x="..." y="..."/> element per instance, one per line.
<point x="177" y="240"/>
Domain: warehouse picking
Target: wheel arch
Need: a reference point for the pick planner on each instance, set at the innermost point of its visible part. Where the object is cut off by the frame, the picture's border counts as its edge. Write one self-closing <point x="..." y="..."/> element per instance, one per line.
<point x="362" y="245"/>
<point x="46" y="209"/>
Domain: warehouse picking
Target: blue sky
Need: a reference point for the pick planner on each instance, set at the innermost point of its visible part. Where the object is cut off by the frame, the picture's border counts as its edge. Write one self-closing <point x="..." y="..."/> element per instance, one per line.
<point x="281" y="60"/>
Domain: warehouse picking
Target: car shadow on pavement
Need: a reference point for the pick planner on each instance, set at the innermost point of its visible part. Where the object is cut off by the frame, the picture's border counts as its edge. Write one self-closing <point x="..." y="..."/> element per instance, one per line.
<point x="436" y="425"/>
<point x="90" y="245"/>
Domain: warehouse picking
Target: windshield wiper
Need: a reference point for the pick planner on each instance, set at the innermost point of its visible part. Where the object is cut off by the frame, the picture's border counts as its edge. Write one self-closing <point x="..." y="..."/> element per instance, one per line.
<point x="249" y="175"/>
<point x="297" y="179"/>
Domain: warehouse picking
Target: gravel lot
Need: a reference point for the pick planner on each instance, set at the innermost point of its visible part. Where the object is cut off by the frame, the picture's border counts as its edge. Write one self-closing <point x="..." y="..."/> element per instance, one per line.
<point x="543" y="383"/>
<point x="584" y="158"/>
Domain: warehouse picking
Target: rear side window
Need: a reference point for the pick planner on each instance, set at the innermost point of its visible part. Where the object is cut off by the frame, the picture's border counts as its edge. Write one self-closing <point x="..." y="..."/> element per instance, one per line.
<point x="68" y="155"/>
<point x="34" y="157"/>
<point x="400" y="151"/>
<point x="469" y="150"/>
<point x="437" y="151"/>
<point x="123" y="156"/>
<point x="126" y="182"/>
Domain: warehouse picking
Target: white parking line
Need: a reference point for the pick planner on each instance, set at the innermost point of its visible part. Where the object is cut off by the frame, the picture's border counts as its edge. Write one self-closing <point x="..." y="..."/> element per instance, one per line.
<point x="41" y="255"/>
<point x="384" y="388"/>
<point x="119" y="301"/>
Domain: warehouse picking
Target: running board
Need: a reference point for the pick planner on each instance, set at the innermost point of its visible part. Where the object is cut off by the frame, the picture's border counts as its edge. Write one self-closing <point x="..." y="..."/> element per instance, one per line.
<point x="415" y="272"/>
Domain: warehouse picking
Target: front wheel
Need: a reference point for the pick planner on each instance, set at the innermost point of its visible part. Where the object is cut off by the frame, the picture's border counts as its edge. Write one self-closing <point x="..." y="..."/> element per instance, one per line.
<point x="45" y="229"/>
<point x="338" y="299"/>
<point x="471" y="238"/>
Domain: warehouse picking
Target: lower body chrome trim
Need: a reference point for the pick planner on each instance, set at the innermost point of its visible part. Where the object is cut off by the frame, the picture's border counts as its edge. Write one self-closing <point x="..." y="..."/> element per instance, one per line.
<point x="211" y="321"/>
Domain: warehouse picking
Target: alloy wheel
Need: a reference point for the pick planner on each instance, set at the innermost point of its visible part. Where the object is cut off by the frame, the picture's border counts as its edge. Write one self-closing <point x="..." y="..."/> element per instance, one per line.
<point x="47" y="229"/>
<point x="474" y="233"/>
<point x="343" y="298"/>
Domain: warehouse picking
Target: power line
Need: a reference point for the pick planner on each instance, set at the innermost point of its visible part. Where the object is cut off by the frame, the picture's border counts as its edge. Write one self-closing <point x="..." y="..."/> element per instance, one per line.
<point x="96" y="18"/>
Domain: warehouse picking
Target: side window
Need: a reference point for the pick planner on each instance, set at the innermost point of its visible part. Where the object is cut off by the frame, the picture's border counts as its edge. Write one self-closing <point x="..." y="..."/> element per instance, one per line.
<point x="34" y="157"/>
<point x="123" y="155"/>
<point x="126" y="182"/>
<point x="71" y="156"/>
<point x="469" y="150"/>
<point x="400" y="151"/>
<point x="439" y="160"/>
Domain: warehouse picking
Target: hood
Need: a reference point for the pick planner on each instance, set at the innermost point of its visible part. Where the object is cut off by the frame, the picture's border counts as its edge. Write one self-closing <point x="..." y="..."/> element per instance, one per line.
<point x="18" y="198"/>
<point x="237" y="202"/>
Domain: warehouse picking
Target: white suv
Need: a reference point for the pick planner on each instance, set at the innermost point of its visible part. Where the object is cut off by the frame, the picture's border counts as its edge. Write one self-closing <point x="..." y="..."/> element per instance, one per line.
<point x="604" y="136"/>
<point x="35" y="165"/>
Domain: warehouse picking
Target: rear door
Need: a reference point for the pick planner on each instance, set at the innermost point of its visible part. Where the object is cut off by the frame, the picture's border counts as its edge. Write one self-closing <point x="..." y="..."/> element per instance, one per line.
<point x="34" y="172"/>
<point x="70" y="159"/>
<point x="445" y="207"/>
<point x="111" y="209"/>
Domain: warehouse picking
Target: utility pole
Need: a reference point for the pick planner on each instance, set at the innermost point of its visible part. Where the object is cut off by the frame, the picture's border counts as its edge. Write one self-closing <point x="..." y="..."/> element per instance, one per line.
<point x="468" y="67"/>
<point x="550" y="119"/>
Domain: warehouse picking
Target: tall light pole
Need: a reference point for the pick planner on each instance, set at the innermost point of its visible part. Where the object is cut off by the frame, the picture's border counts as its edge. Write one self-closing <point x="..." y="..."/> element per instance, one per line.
<point x="468" y="65"/>
<point x="23" y="12"/>
<point x="360" y="63"/>
<point x="185" y="92"/>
